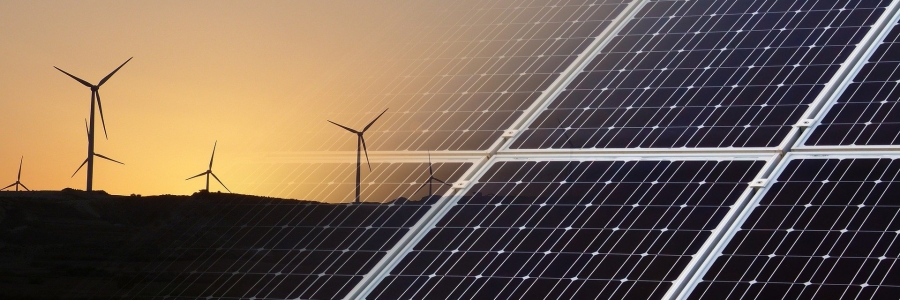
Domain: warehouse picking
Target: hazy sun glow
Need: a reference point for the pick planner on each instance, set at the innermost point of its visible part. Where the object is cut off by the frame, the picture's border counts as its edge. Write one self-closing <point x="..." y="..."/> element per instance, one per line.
<point x="202" y="71"/>
<point x="263" y="79"/>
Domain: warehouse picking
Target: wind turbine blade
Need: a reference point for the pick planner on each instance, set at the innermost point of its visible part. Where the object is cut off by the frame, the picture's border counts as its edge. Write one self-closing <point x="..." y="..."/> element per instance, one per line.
<point x="198" y="175"/>
<point x="9" y="186"/>
<point x="345" y="127"/>
<point x="566" y="133"/>
<point x="86" y="129"/>
<point x="361" y="138"/>
<point x="441" y="181"/>
<point x="79" y="167"/>
<point x="220" y="182"/>
<point x="24" y="187"/>
<point x="19" y="177"/>
<point x="373" y="121"/>
<point x="85" y="83"/>
<point x="109" y="159"/>
<point x="213" y="154"/>
<point x="420" y="187"/>
<point x="430" y="169"/>
<point x="102" y="81"/>
<point x="100" y="105"/>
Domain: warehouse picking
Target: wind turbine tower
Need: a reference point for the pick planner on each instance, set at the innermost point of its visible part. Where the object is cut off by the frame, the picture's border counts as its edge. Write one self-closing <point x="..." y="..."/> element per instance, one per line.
<point x="209" y="171"/>
<point x="360" y="144"/>
<point x="18" y="183"/>
<point x="91" y="157"/>
<point x="430" y="178"/>
<point x="95" y="94"/>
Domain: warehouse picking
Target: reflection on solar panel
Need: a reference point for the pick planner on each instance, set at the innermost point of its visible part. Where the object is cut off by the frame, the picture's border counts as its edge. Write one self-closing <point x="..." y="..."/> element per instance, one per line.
<point x="721" y="76"/>
<point x="463" y="73"/>
<point x="233" y="246"/>
<point x="826" y="229"/>
<point x="571" y="230"/>
<point x="866" y="113"/>
<point x="705" y="74"/>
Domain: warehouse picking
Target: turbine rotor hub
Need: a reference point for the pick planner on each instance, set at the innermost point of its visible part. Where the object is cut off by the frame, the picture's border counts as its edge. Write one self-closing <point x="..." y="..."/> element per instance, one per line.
<point x="95" y="88"/>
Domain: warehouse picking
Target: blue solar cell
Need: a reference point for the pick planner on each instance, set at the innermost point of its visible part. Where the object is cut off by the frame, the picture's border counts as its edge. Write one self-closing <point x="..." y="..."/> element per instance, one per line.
<point x="827" y="229"/>
<point x="560" y="229"/>
<point x="704" y="74"/>
<point x="866" y="113"/>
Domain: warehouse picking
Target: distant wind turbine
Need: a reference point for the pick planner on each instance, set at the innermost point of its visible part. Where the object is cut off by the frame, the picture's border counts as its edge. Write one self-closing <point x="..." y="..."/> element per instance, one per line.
<point x="430" y="178"/>
<point x="90" y="159"/>
<point x="566" y="133"/>
<point x="209" y="171"/>
<point x="95" y="93"/>
<point x="18" y="178"/>
<point x="360" y="142"/>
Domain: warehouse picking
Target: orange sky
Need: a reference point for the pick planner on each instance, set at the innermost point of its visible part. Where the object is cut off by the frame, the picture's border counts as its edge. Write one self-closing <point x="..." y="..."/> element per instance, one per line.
<point x="231" y="71"/>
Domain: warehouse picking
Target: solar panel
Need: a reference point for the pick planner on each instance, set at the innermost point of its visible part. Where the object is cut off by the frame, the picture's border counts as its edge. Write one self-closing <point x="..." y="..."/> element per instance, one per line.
<point x="826" y="228"/>
<point x="462" y="72"/>
<point x="234" y="246"/>
<point x="601" y="229"/>
<point x="704" y="74"/>
<point x="721" y="76"/>
<point x="866" y="112"/>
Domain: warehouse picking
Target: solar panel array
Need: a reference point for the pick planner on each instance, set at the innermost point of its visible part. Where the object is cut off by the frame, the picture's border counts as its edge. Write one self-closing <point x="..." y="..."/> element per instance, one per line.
<point x="827" y="228"/>
<point x="705" y="74"/>
<point x="866" y="114"/>
<point x="716" y="77"/>
<point x="571" y="230"/>
<point x="227" y="246"/>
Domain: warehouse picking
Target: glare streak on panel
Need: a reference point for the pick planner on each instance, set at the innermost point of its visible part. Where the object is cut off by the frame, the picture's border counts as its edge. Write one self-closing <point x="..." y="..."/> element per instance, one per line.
<point x="567" y="229"/>
<point x="453" y="77"/>
<point x="826" y="228"/>
<point x="867" y="112"/>
<point x="705" y="74"/>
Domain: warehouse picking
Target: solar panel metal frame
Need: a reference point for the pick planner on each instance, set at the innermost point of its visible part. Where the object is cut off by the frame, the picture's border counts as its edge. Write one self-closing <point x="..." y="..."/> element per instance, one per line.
<point x="831" y="90"/>
<point x="793" y="146"/>
<point x="447" y="203"/>
<point x="710" y="258"/>
<point x="439" y="209"/>
<point x="501" y="151"/>
<point x="838" y="84"/>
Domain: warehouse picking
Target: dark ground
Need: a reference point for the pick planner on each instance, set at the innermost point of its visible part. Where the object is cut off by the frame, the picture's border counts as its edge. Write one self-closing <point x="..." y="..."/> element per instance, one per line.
<point x="75" y="245"/>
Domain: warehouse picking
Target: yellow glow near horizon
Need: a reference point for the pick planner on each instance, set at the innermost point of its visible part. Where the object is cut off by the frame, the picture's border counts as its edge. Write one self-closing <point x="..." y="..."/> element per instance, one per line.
<point x="202" y="71"/>
<point x="262" y="78"/>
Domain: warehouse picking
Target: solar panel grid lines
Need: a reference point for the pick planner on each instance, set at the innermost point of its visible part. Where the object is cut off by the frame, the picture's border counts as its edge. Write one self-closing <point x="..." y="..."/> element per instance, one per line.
<point x="826" y="228"/>
<point x="415" y="122"/>
<point x="424" y="275"/>
<point x="722" y="234"/>
<point x="667" y="56"/>
<point x="403" y="246"/>
<point x="257" y="246"/>
<point x="863" y="114"/>
<point x="572" y="69"/>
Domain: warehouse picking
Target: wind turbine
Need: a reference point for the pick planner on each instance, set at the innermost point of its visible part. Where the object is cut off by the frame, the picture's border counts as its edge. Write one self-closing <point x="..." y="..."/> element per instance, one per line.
<point x="19" y="177"/>
<point x="566" y="133"/>
<point x="209" y="171"/>
<point x="90" y="159"/>
<point x="360" y="142"/>
<point x="95" y="93"/>
<point x="430" y="178"/>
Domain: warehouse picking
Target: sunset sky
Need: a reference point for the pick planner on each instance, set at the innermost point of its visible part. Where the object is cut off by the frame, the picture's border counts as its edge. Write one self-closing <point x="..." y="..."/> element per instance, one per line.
<point x="263" y="78"/>
<point x="232" y="71"/>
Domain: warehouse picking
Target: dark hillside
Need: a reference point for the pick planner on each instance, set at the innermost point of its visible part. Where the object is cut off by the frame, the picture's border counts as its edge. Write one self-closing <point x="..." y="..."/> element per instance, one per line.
<point x="75" y="245"/>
